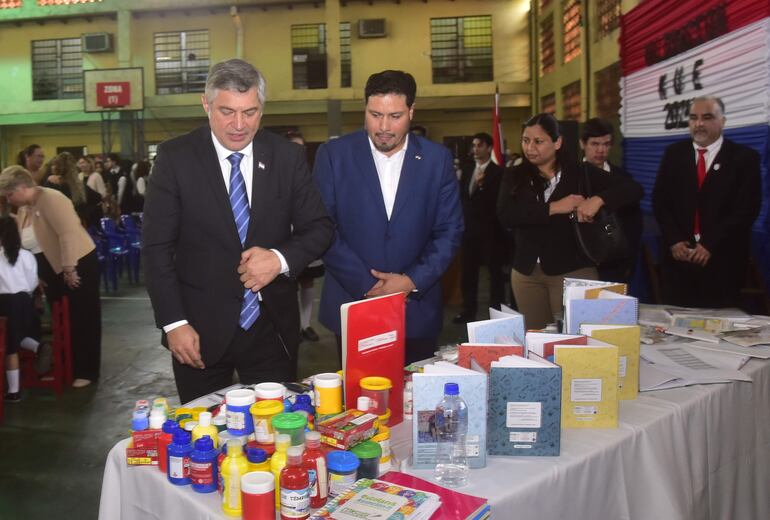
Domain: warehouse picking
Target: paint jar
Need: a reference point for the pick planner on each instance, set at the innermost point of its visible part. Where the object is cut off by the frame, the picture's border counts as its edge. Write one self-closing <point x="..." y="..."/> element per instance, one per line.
<point x="343" y="466"/>
<point x="368" y="453"/>
<point x="383" y="419"/>
<point x="327" y="388"/>
<point x="269" y="391"/>
<point x="292" y="424"/>
<point x="377" y="389"/>
<point x="262" y="413"/>
<point x="203" y="466"/>
<point x="183" y="413"/>
<point x="179" y="458"/>
<point x="239" y="420"/>
<point x="258" y="496"/>
<point x="383" y="439"/>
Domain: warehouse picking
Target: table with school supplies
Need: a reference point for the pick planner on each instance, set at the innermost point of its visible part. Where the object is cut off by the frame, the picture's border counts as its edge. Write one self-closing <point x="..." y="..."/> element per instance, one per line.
<point x="700" y="452"/>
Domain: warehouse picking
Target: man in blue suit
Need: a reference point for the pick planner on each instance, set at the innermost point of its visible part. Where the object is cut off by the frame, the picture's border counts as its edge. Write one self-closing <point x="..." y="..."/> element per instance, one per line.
<point x="395" y="202"/>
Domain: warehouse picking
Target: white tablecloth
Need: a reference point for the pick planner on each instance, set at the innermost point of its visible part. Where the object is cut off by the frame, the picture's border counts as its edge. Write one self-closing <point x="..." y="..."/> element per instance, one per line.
<point x="701" y="452"/>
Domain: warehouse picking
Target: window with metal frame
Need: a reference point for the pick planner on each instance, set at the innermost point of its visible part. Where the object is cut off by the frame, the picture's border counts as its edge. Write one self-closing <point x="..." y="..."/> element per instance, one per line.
<point x="607" y="17"/>
<point x="570" y="101"/>
<point x="461" y="49"/>
<point x="607" y="90"/>
<point x="345" y="61"/>
<point x="547" y="46"/>
<point x="571" y="27"/>
<point x="57" y="69"/>
<point x="181" y="61"/>
<point x="308" y="56"/>
<point x="548" y="103"/>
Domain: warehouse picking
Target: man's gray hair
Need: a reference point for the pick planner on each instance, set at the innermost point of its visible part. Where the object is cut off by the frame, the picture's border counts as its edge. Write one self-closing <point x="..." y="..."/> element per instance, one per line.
<point x="715" y="99"/>
<point x="234" y="75"/>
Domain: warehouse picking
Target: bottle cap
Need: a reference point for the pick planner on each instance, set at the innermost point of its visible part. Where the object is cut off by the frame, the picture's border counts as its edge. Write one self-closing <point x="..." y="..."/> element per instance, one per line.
<point x="367" y="450"/>
<point x="451" y="389"/>
<point x="302" y="399"/>
<point x="375" y="383"/>
<point x="170" y="426"/>
<point x="190" y="425"/>
<point x="343" y="461"/>
<point x="270" y="390"/>
<point x="258" y="482"/>
<point x="240" y="397"/>
<point x="256" y="455"/>
<point x="266" y="408"/>
<point x="313" y="439"/>
<point x="289" y="421"/>
<point x="182" y="437"/>
<point x="157" y="418"/>
<point x="294" y="453"/>
<point x="363" y="403"/>
<point x="204" y="419"/>
<point x="204" y="444"/>
<point x="327" y="380"/>
<point x="234" y="445"/>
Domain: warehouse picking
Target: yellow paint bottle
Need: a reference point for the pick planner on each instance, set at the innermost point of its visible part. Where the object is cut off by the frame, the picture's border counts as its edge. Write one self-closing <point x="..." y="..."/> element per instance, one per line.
<point x="204" y="427"/>
<point x="233" y="467"/>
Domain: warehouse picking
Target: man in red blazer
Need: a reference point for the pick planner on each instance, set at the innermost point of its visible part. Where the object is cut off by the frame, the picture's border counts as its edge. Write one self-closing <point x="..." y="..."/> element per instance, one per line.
<point x="706" y="198"/>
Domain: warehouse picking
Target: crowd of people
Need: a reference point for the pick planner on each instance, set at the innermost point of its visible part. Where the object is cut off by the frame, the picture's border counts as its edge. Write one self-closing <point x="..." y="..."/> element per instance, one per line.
<point x="383" y="210"/>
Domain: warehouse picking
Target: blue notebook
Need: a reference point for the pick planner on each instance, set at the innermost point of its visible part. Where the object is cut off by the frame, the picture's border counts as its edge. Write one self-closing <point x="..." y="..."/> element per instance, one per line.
<point x="508" y="330"/>
<point x="608" y="309"/>
<point x="427" y="391"/>
<point x="524" y="416"/>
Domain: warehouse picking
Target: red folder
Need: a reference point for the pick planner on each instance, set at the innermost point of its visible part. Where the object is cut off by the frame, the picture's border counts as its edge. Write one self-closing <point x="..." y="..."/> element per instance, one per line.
<point x="373" y="338"/>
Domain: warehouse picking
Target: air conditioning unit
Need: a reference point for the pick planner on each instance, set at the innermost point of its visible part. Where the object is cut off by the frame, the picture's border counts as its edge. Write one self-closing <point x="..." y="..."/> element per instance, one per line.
<point x="97" y="42"/>
<point x="372" y="28"/>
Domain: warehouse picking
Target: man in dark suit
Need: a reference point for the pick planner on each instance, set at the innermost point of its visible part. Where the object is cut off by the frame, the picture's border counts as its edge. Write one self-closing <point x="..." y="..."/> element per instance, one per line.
<point x="706" y="198"/>
<point x="231" y="216"/>
<point x="394" y="199"/>
<point x="483" y="239"/>
<point x="596" y="143"/>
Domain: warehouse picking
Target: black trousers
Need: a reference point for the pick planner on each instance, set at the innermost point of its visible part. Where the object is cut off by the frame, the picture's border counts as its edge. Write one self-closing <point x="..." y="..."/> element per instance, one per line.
<point x="690" y="285"/>
<point x="257" y="355"/>
<point x="85" y="312"/>
<point x="21" y="321"/>
<point x="478" y="251"/>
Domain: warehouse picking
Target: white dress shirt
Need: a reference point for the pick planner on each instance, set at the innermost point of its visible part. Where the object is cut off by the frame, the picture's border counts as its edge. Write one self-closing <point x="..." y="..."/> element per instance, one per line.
<point x="389" y="173"/>
<point x="711" y="151"/>
<point x="19" y="277"/>
<point x="480" y="168"/>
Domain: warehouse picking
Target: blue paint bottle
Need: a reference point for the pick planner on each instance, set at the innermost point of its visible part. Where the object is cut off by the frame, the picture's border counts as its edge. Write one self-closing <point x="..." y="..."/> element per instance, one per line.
<point x="203" y="466"/>
<point x="179" y="458"/>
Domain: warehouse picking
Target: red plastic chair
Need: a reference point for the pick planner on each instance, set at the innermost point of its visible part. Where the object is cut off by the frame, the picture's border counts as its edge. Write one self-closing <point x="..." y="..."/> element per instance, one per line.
<point x="60" y="374"/>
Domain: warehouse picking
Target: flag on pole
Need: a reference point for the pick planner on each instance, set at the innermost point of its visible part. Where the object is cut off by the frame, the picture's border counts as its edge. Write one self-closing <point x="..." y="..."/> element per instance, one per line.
<point x="497" y="133"/>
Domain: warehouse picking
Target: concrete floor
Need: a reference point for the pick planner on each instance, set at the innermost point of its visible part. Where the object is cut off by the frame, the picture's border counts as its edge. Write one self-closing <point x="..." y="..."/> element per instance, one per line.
<point x="52" y="451"/>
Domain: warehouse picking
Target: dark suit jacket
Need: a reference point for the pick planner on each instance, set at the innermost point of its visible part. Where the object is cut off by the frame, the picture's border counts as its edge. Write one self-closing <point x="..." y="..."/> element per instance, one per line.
<point x="551" y="238"/>
<point x="480" y="209"/>
<point x="419" y="240"/>
<point x="191" y="248"/>
<point x="728" y="201"/>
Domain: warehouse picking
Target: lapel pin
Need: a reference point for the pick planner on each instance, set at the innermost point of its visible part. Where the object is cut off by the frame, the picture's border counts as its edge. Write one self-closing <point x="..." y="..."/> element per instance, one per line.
<point x="261" y="165"/>
<point x="418" y="157"/>
<point x="716" y="167"/>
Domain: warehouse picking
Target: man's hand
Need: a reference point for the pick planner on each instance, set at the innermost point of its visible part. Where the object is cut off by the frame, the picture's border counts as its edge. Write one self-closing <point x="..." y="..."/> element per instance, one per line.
<point x="588" y="208"/>
<point x="700" y="255"/>
<point x="390" y="283"/>
<point x="258" y="268"/>
<point x="566" y="205"/>
<point x="184" y="344"/>
<point x="681" y="251"/>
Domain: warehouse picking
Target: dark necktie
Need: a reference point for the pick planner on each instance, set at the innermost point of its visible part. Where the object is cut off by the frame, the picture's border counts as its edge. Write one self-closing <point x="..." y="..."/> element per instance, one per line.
<point x="240" y="205"/>
<point x="701" y="165"/>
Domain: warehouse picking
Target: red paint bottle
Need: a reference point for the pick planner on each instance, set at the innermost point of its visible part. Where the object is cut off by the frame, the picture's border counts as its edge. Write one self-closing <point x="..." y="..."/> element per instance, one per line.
<point x="295" y="487"/>
<point x="314" y="461"/>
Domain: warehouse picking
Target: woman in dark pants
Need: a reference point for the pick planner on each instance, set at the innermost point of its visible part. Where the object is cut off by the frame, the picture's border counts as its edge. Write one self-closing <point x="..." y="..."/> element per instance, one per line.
<point x="68" y="264"/>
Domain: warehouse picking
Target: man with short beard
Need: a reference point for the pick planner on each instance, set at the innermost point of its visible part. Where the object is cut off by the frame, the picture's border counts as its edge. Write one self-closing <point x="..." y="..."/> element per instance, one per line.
<point x="394" y="199"/>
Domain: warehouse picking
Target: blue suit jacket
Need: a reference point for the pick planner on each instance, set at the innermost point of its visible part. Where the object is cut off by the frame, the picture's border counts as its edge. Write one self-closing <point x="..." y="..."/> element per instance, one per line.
<point x="419" y="240"/>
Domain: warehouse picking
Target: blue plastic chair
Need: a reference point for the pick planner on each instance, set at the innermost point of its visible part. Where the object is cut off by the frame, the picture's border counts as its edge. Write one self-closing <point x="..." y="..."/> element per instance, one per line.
<point x="133" y="235"/>
<point x="101" y="255"/>
<point x="116" y="249"/>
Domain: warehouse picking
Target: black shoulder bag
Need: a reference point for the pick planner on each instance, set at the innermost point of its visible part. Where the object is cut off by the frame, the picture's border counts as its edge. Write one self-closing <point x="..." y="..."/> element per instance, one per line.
<point x="603" y="239"/>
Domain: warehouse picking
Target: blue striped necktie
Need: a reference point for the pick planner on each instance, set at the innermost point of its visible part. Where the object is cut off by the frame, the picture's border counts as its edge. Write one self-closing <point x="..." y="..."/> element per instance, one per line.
<point x="240" y="205"/>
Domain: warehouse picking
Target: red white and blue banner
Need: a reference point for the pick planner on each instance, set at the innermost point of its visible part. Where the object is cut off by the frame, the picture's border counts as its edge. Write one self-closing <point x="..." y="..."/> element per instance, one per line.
<point x="672" y="52"/>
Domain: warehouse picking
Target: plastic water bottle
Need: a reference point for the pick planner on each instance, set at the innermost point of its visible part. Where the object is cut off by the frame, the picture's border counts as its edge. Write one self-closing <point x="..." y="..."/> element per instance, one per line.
<point x="451" y="427"/>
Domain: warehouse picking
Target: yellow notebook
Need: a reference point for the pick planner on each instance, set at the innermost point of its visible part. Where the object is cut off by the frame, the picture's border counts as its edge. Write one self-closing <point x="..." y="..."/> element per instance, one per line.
<point x="589" y="391"/>
<point x="626" y="338"/>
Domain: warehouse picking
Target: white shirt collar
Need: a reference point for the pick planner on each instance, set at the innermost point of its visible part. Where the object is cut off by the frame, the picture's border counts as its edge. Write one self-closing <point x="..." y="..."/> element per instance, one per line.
<point x="606" y="166"/>
<point x="713" y="148"/>
<point x="223" y="153"/>
<point x="484" y="165"/>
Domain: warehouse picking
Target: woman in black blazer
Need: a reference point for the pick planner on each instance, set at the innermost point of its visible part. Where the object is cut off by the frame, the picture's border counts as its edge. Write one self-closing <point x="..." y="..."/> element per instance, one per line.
<point x="536" y="197"/>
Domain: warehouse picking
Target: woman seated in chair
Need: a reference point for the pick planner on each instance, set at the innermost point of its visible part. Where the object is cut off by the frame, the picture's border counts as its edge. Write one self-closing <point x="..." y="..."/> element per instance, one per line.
<point x="67" y="263"/>
<point x="18" y="280"/>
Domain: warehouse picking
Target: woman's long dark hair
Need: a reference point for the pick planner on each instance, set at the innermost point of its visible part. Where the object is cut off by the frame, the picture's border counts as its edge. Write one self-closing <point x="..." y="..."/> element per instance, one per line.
<point x="10" y="239"/>
<point x="527" y="174"/>
<point x="21" y="159"/>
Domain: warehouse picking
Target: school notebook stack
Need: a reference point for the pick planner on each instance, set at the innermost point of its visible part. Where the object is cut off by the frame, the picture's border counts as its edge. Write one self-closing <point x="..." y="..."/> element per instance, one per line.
<point x="454" y="505"/>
